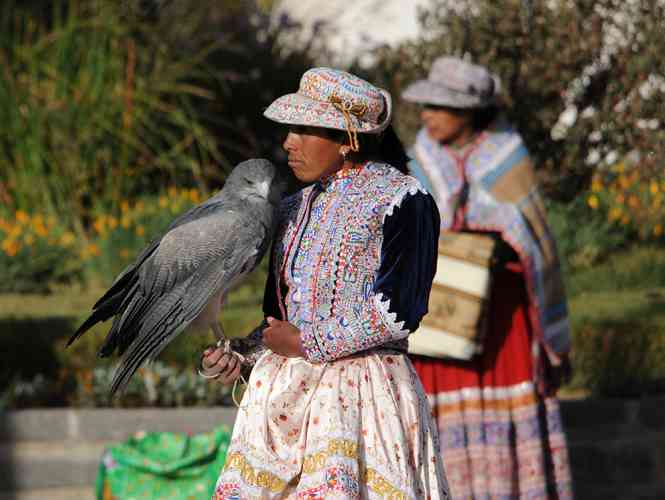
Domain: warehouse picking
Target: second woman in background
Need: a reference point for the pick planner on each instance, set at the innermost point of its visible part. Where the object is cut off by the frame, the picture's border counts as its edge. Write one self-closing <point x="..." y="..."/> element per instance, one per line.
<point x="498" y="416"/>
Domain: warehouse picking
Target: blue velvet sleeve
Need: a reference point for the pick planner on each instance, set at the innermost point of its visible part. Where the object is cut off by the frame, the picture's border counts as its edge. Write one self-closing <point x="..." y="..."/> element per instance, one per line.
<point x="408" y="258"/>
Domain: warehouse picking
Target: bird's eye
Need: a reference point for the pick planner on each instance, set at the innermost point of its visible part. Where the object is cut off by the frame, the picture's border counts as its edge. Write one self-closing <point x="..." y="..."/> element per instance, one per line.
<point x="248" y="181"/>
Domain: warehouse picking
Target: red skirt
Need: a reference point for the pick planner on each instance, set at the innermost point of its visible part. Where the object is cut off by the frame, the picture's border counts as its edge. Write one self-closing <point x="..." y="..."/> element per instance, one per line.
<point x="500" y="438"/>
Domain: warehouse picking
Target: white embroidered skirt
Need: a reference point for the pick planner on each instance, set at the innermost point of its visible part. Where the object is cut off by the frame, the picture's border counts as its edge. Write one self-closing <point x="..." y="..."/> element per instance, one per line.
<point x="359" y="427"/>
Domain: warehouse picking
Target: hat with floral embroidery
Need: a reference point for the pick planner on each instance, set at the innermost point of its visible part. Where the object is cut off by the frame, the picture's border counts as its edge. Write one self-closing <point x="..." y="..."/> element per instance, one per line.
<point x="334" y="99"/>
<point x="455" y="83"/>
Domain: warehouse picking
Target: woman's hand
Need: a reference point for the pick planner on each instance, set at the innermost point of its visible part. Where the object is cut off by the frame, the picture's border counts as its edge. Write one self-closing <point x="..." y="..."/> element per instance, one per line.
<point x="283" y="338"/>
<point x="224" y="365"/>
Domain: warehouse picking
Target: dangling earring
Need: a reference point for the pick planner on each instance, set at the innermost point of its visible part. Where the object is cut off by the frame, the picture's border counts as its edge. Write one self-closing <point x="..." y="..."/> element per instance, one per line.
<point x="344" y="153"/>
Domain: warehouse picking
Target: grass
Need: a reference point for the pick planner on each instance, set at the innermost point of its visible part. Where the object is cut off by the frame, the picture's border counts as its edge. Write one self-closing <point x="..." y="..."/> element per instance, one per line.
<point x="35" y="328"/>
<point x="617" y="315"/>
<point x="618" y="321"/>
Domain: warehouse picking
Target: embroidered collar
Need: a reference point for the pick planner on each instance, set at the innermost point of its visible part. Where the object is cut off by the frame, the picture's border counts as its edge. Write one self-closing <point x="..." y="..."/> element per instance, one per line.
<point x="332" y="181"/>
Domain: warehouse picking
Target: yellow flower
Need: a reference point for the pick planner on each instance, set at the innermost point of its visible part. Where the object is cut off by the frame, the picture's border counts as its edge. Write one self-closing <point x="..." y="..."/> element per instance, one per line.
<point x="140" y="230"/>
<point x="15" y="231"/>
<point x="67" y="239"/>
<point x="623" y="181"/>
<point x="592" y="201"/>
<point x="22" y="217"/>
<point x="99" y="225"/>
<point x="614" y="214"/>
<point x="633" y="201"/>
<point x="596" y="185"/>
<point x="653" y="187"/>
<point x="38" y="220"/>
<point x="10" y="247"/>
<point x="125" y="222"/>
<point x="124" y="206"/>
<point x="113" y="222"/>
<point x="657" y="230"/>
<point x="163" y="201"/>
<point x="93" y="250"/>
<point x="124" y="253"/>
<point x="41" y="230"/>
<point x="618" y="168"/>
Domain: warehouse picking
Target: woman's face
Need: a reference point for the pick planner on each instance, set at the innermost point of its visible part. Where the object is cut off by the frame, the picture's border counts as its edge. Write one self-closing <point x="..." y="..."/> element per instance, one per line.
<point x="312" y="153"/>
<point x="446" y="125"/>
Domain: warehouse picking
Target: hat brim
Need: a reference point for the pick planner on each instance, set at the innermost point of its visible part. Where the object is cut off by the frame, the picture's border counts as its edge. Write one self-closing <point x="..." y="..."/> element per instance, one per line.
<point x="297" y="109"/>
<point x="427" y="92"/>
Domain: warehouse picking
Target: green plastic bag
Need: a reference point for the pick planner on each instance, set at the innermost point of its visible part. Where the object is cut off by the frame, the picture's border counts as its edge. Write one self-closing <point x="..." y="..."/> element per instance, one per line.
<point x="163" y="465"/>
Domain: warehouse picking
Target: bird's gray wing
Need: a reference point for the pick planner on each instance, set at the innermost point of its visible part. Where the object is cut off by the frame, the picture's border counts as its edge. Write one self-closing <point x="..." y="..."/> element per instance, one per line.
<point x="210" y="206"/>
<point x="192" y="263"/>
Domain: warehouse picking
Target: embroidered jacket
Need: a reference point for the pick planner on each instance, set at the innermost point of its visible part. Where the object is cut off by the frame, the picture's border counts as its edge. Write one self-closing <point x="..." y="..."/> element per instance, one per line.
<point x="353" y="262"/>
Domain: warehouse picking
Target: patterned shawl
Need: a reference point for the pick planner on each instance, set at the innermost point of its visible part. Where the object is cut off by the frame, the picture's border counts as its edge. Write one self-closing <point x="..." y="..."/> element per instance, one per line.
<point x="503" y="196"/>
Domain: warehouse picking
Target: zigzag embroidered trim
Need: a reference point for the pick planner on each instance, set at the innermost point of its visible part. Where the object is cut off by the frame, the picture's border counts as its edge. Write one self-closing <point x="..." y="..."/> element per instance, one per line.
<point x="397" y="201"/>
<point x="382" y="304"/>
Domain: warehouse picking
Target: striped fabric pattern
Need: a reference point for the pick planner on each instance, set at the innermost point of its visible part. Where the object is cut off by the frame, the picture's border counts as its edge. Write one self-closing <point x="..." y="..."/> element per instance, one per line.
<point x="490" y="435"/>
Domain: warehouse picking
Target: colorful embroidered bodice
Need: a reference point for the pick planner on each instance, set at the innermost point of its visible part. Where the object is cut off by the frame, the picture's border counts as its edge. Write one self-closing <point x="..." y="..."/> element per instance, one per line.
<point x="327" y="257"/>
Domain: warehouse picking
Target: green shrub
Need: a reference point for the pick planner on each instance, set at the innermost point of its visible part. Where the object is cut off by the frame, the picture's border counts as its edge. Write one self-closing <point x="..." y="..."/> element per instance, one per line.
<point x="91" y="98"/>
<point x="583" y="236"/>
<point x="36" y="252"/>
<point x="598" y="63"/>
<point x="617" y="315"/>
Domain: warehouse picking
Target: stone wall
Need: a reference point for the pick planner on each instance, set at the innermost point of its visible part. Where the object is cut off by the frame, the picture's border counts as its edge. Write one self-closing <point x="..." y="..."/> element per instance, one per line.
<point x="617" y="447"/>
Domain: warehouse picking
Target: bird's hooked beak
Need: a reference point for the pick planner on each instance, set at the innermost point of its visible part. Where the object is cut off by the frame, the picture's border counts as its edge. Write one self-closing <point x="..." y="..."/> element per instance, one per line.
<point x="264" y="189"/>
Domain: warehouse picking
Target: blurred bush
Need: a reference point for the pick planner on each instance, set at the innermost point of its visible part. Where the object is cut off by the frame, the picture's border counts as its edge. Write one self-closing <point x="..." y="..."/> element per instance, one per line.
<point x="159" y="384"/>
<point x="95" y="109"/>
<point x="106" y="106"/>
<point x="617" y="313"/>
<point x="36" y="252"/>
<point x="583" y="81"/>
<point x="631" y="199"/>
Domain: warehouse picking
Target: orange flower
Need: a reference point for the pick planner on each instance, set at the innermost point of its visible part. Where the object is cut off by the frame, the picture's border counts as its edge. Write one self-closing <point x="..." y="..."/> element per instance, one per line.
<point x="22" y="217"/>
<point x="67" y="239"/>
<point x="592" y="201"/>
<point x="140" y="230"/>
<point x="94" y="250"/>
<point x="11" y="247"/>
<point x="633" y="201"/>
<point x="99" y="225"/>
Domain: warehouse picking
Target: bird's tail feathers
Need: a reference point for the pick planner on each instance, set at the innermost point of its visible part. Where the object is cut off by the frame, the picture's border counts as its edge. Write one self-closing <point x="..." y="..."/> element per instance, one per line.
<point x="147" y="346"/>
<point x="102" y="313"/>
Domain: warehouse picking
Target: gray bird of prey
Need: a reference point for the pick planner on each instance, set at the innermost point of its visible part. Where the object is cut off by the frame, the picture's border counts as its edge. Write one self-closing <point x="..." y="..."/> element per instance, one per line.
<point x="180" y="280"/>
